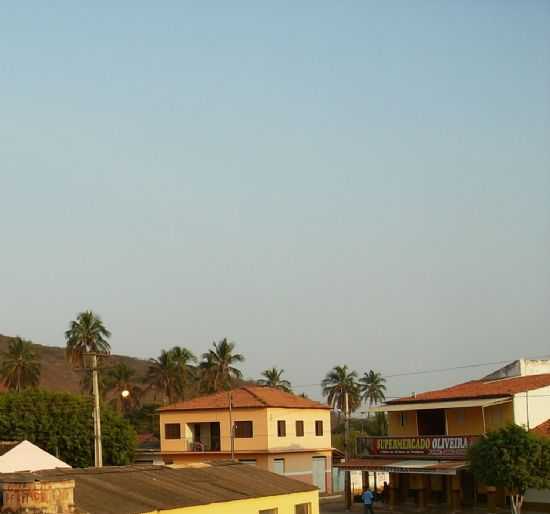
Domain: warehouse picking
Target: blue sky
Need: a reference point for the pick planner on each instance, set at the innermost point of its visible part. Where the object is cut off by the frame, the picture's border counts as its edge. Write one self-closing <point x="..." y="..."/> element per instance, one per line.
<point x="323" y="183"/>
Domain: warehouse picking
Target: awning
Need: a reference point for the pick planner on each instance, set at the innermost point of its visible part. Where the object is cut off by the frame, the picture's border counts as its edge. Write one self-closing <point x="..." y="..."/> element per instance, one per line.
<point x="452" y="404"/>
<point x="425" y="467"/>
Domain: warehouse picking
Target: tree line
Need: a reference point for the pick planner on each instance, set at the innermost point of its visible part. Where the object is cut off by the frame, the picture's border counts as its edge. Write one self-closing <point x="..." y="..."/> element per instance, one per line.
<point x="175" y="375"/>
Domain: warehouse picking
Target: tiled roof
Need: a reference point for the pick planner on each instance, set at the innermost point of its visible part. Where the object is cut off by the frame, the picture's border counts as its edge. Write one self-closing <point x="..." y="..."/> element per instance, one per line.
<point x="133" y="489"/>
<point x="247" y="397"/>
<point x="543" y="429"/>
<point x="481" y="389"/>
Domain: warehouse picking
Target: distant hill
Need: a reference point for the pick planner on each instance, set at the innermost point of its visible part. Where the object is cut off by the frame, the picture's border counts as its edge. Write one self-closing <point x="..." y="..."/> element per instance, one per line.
<point x="58" y="375"/>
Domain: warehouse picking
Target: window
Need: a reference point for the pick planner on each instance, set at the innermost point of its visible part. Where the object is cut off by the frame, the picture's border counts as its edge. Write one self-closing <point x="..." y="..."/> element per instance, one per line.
<point x="268" y="511"/>
<point x="299" y="429"/>
<point x="403" y="419"/>
<point x="302" y="508"/>
<point x="243" y="429"/>
<point x="278" y="466"/>
<point x="281" y="428"/>
<point x="172" y="431"/>
<point x="319" y="428"/>
<point x="250" y="462"/>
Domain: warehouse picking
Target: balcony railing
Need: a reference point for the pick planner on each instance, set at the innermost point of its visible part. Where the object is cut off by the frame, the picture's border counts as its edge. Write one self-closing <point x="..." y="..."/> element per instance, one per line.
<point x="198" y="446"/>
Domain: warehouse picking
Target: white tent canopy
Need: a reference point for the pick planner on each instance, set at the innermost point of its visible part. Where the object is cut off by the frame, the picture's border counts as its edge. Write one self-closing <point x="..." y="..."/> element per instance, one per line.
<point x="28" y="457"/>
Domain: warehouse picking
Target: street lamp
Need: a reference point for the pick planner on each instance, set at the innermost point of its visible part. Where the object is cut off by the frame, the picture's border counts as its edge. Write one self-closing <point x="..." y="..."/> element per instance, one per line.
<point x="125" y="394"/>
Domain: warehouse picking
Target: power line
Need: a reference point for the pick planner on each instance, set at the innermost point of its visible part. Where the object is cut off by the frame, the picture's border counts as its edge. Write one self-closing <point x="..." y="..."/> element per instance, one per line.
<point x="424" y="372"/>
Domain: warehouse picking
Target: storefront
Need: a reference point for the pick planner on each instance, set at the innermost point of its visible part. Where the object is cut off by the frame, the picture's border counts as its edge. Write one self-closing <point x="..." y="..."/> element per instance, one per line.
<point x="423" y="471"/>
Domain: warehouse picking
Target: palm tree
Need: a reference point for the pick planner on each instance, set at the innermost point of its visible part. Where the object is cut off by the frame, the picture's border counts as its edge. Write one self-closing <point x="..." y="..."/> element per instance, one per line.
<point x="373" y="388"/>
<point x="121" y="381"/>
<point x="183" y="360"/>
<point x="273" y="378"/>
<point x="86" y="334"/>
<point x="20" y="367"/>
<point x="218" y="365"/>
<point x="339" y="381"/>
<point x="163" y="376"/>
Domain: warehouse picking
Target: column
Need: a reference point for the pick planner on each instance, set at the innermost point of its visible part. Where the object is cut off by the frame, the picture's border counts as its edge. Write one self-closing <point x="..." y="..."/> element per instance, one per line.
<point x="500" y="497"/>
<point x="394" y="490"/>
<point x="491" y="499"/>
<point x="455" y="486"/>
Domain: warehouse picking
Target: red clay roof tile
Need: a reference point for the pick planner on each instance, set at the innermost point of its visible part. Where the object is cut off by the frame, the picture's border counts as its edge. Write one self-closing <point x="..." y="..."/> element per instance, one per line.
<point x="481" y="389"/>
<point x="247" y="397"/>
<point x="543" y="429"/>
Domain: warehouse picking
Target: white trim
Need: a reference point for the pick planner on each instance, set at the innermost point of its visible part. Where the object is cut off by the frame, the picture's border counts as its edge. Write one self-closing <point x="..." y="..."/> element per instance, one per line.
<point x="451" y="404"/>
<point x="293" y="473"/>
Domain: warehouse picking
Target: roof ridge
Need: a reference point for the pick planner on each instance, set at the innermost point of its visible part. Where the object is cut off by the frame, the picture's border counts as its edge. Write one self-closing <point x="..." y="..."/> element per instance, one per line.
<point x="253" y="394"/>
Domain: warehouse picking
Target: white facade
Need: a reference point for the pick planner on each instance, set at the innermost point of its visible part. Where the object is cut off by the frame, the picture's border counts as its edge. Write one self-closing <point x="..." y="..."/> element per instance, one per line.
<point x="532" y="408"/>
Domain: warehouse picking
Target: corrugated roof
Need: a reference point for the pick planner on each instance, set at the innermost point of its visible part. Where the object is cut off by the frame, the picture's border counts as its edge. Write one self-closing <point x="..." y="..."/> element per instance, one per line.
<point x="248" y="397"/>
<point x="139" y="489"/>
<point x="481" y="389"/>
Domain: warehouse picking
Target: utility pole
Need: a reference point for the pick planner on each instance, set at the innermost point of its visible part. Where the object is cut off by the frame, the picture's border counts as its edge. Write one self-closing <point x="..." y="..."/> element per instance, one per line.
<point x="347" y="481"/>
<point x="231" y="427"/>
<point x="98" y="451"/>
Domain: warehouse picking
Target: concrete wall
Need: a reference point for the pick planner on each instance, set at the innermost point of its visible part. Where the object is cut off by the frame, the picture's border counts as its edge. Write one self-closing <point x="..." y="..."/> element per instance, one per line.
<point x="297" y="465"/>
<point x="410" y="427"/>
<point x="257" y="416"/>
<point x="499" y="416"/>
<point x="521" y="367"/>
<point x="468" y="420"/>
<point x="464" y="421"/>
<point x="264" y="429"/>
<point x="534" y="405"/>
<point x="309" y="441"/>
<point x="285" y="504"/>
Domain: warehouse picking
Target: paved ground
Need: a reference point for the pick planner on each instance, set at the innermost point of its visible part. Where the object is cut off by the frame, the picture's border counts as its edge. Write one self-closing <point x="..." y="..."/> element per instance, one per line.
<point x="337" y="507"/>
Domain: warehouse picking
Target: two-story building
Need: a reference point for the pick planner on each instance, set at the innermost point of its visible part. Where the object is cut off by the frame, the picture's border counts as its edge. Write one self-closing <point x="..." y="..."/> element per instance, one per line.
<point x="271" y="429"/>
<point x="430" y="433"/>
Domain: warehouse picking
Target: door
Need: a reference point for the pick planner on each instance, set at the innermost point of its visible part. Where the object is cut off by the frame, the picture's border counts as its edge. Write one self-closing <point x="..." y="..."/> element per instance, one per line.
<point x="279" y="466"/>
<point x="319" y="469"/>
<point x="215" y="437"/>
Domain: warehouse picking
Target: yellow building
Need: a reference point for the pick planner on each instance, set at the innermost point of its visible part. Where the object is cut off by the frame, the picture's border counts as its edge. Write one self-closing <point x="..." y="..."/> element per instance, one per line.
<point x="430" y="434"/>
<point x="273" y="430"/>
<point x="219" y="488"/>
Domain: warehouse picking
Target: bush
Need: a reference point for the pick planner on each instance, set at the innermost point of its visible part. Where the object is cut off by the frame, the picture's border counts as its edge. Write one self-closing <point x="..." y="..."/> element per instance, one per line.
<point x="62" y="424"/>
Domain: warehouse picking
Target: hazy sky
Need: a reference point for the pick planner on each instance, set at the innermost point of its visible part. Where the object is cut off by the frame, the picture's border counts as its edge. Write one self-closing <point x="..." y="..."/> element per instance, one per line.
<point x="321" y="182"/>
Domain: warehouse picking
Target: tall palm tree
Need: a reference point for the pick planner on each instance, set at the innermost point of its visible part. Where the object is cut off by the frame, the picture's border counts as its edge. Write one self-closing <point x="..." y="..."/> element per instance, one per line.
<point x="20" y="367"/>
<point x="163" y="376"/>
<point x="373" y="388"/>
<point x="218" y="365"/>
<point x="339" y="381"/>
<point x="273" y="378"/>
<point x="121" y="380"/>
<point x="183" y="360"/>
<point x="86" y="334"/>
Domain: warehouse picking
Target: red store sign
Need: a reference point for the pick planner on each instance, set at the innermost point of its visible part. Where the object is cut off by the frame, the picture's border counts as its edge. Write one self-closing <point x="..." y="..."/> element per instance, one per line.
<point x="429" y="446"/>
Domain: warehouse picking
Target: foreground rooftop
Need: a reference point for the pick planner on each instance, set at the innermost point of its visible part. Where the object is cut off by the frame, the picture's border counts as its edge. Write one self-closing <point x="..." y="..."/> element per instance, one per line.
<point x="136" y="489"/>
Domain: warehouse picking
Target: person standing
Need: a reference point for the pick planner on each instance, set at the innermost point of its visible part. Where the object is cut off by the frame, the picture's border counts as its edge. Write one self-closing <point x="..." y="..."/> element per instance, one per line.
<point x="368" y="499"/>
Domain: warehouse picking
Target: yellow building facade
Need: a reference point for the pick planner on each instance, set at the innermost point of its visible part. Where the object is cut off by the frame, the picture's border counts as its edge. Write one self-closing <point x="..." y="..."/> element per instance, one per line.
<point x="272" y="430"/>
<point x="297" y="503"/>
